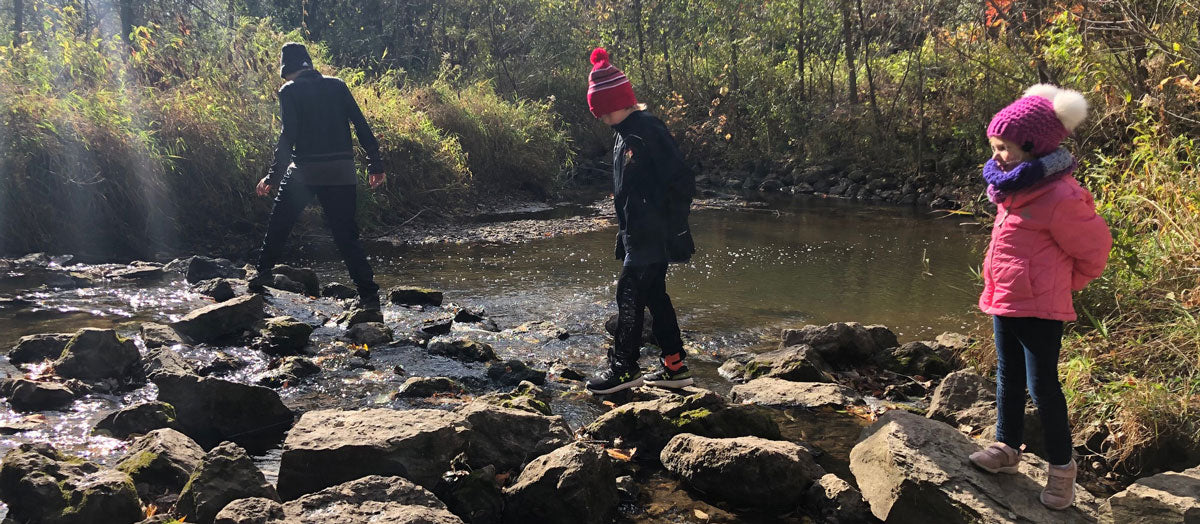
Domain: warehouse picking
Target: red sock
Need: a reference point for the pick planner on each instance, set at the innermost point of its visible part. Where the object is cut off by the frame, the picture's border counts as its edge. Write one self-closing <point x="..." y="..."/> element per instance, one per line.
<point x="673" y="362"/>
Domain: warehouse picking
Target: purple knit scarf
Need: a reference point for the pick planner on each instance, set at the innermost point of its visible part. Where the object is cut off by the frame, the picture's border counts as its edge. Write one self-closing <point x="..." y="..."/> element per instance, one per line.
<point x="1003" y="184"/>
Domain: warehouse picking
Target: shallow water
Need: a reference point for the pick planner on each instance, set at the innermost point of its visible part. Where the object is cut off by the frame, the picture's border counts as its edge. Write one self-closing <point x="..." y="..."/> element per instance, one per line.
<point x="793" y="262"/>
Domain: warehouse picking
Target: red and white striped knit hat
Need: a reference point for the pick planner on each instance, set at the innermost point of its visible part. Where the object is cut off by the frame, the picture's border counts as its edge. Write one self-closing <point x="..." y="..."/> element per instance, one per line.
<point x="608" y="88"/>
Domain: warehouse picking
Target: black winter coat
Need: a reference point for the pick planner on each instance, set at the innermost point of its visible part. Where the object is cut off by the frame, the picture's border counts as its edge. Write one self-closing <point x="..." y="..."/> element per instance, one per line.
<point x="317" y="112"/>
<point x="652" y="189"/>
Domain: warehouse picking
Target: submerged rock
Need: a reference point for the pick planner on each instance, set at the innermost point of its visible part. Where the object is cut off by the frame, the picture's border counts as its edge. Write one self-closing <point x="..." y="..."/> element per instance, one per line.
<point x="26" y="395"/>
<point x="327" y="447"/>
<point x="508" y="438"/>
<point x="226" y="474"/>
<point x="155" y="335"/>
<point x="462" y="349"/>
<point x="307" y="278"/>
<point x="369" y="500"/>
<point x="778" y="393"/>
<point x="201" y="268"/>
<point x="99" y="354"/>
<point x="749" y="472"/>
<point x="913" y="469"/>
<point x="796" y="363"/>
<point x="161" y="462"/>
<point x="1164" y="498"/>
<point x="137" y="419"/>
<point x="218" y="289"/>
<point x="414" y="296"/>
<point x="573" y="484"/>
<point x="36" y="348"/>
<point x="513" y="372"/>
<point x="211" y="410"/>
<point x="39" y="484"/>
<point x="216" y="321"/>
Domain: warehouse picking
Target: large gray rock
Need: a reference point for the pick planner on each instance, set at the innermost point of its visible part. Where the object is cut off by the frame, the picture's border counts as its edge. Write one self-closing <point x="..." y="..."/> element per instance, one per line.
<point x="736" y="469"/>
<point x="327" y="447"/>
<point x="779" y="393"/>
<point x="913" y="469"/>
<point x="842" y="343"/>
<point x="36" y="348"/>
<point x="284" y="336"/>
<point x="212" y="410"/>
<point x="1165" y="498"/>
<point x="155" y="335"/>
<point x="26" y="395"/>
<point x="835" y="501"/>
<point x="574" y="484"/>
<point x="967" y="401"/>
<point x="370" y="500"/>
<point x="161" y="462"/>
<point x="226" y="474"/>
<point x="253" y="510"/>
<point x="200" y="268"/>
<point x="796" y="363"/>
<point x="39" y="484"/>
<point x="414" y="296"/>
<point x="649" y="424"/>
<point x="508" y="438"/>
<point x="99" y="354"/>
<point x="138" y="419"/>
<point x="462" y="349"/>
<point x="306" y="277"/>
<point x="221" y="320"/>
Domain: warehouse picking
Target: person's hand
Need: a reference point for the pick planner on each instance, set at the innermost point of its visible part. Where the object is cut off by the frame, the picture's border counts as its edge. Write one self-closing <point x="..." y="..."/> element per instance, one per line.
<point x="263" y="188"/>
<point x="376" y="179"/>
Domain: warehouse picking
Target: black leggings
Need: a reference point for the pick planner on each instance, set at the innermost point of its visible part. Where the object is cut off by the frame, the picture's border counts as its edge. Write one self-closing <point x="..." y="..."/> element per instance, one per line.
<point x="640" y="287"/>
<point x="338" y="204"/>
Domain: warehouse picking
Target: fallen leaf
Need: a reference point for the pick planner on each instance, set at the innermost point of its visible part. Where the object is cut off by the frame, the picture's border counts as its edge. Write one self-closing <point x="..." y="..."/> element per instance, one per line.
<point x="700" y="514"/>
<point x="610" y="404"/>
<point x="620" y="455"/>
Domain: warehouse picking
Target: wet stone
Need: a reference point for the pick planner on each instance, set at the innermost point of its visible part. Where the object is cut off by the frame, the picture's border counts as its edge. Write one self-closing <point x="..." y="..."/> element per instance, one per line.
<point x="436" y="326"/>
<point x="513" y="372"/>
<point x="165" y="360"/>
<point x="463" y="349"/>
<point x="26" y="395"/>
<point x="99" y="354"/>
<point x="338" y="290"/>
<point x="145" y="271"/>
<point x="369" y="333"/>
<point x="36" y="348"/>
<point x="359" y="316"/>
<point x="200" y="268"/>
<point x="156" y="335"/>
<point x="284" y="336"/>
<point x="137" y="419"/>
<point x="218" y="289"/>
<point x="216" y="321"/>
<point x="307" y="278"/>
<point x="414" y="296"/>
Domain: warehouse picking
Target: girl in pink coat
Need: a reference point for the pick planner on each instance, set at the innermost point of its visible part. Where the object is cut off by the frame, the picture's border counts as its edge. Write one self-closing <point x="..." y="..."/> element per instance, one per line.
<point x="1047" y="241"/>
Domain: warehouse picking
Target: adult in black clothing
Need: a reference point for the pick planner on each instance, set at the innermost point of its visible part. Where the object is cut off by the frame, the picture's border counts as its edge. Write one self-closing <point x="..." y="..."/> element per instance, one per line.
<point x="315" y="148"/>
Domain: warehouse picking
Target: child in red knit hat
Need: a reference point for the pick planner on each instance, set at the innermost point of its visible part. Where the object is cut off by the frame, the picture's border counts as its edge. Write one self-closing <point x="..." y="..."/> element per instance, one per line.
<point x="652" y="192"/>
<point x="1047" y="241"/>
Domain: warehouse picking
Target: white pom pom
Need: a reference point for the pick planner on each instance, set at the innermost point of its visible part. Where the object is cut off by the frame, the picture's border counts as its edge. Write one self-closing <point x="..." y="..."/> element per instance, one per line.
<point x="1069" y="105"/>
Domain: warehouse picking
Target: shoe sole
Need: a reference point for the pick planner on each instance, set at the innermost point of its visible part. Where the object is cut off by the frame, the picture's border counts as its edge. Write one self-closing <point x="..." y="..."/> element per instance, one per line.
<point x="1042" y="499"/>
<point x="680" y="383"/>
<point x="619" y="387"/>
<point x="1001" y="469"/>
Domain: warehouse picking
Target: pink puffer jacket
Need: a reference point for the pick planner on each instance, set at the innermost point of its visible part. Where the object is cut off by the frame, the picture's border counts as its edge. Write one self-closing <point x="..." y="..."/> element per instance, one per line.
<point x="1047" y="241"/>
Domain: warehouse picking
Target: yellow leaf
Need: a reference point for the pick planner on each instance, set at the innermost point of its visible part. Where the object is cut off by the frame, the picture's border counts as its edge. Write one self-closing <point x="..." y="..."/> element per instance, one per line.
<point x="700" y="514"/>
<point x="620" y="455"/>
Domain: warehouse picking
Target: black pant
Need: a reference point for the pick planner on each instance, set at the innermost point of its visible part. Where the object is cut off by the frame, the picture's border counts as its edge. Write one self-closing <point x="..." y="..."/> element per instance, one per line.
<point x="640" y="287"/>
<point x="338" y="204"/>
<point x="1027" y="357"/>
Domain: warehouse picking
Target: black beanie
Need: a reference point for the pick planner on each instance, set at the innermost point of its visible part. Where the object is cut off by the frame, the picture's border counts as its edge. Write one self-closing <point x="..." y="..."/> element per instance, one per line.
<point x="293" y="57"/>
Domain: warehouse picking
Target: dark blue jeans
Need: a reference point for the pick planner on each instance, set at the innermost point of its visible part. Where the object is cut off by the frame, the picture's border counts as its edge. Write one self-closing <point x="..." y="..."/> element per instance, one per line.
<point x="1027" y="354"/>
<point x="638" y="288"/>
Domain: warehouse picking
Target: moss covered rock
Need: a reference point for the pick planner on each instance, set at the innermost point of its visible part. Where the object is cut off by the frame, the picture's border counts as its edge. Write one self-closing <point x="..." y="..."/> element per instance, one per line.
<point x="39" y="484"/>
<point x="138" y="419"/>
<point x="226" y="474"/>
<point x="161" y="462"/>
<point x="414" y="296"/>
<point x="99" y="354"/>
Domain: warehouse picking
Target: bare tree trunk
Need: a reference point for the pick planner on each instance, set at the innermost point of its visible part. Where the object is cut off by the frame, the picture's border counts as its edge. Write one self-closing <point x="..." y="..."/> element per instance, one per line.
<point x="637" y="24"/>
<point x="862" y="30"/>
<point x="125" y="12"/>
<point x="18" y="21"/>
<point x="851" y="50"/>
<point x="802" y="51"/>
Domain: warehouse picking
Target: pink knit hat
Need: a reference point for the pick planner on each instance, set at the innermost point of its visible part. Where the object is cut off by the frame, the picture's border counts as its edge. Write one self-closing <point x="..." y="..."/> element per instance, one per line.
<point x="1040" y="120"/>
<point x="608" y="88"/>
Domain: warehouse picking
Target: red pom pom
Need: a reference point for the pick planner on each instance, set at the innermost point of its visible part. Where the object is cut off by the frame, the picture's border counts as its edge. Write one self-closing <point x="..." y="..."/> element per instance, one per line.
<point x="599" y="55"/>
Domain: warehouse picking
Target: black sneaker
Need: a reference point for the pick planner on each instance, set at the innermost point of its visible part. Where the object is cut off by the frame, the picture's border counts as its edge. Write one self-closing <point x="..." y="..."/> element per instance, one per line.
<point x="609" y="381"/>
<point x="665" y="378"/>
<point x="259" y="283"/>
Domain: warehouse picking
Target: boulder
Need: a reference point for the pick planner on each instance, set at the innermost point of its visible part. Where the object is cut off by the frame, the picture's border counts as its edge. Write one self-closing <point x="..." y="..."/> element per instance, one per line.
<point x="327" y="447"/>
<point x="734" y="469"/>
<point x="370" y="500"/>
<point x="462" y="349"/>
<point x="155" y="335"/>
<point x="473" y="495"/>
<point x="508" y="438"/>
<point x="1170" y="497"/>
<point x="369" y="333"/>
<point x="914" y="358"/>
<point x="338" y="290"/>
<point x="211" y="410"/>
<point x="284" y="336"/>
<point x="98" y="354"/>
<point x="307" y="278"/>
<point x="573" y="484"/>
<point x="421" y="387"/>
<point x="26" y="395"/>
<point x="165" y="360"/>
<point x="842" y="343"/>
<point x="795" y="363"/>
<point x="649" y="424"/>
<point x="285" y="283"/>
<point x="253" y="510"/>
<point x="39" y="484"/>
<point x="216" y="321"/>
<point x="201" y="268"/>
<point x="218" y="289"/>
<point x="36" y="348"/>
<point x="525" y="397"/>
<point x="967" y="401"/>
<point x="779" y="393"/>
<point x="225" y="474"/>
<point x="513" y="372"/>
<point x="161" y="462"/>
<point x="913" y="469"/>
<point x="414" y="296"/>
<point x="835" y="501"/>
<point x="138" y="419"/>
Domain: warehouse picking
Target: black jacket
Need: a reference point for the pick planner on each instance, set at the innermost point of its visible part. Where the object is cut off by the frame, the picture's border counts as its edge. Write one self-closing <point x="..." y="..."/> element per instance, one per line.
<point x="317" y="112"/>
<point x="652" y="189"/>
